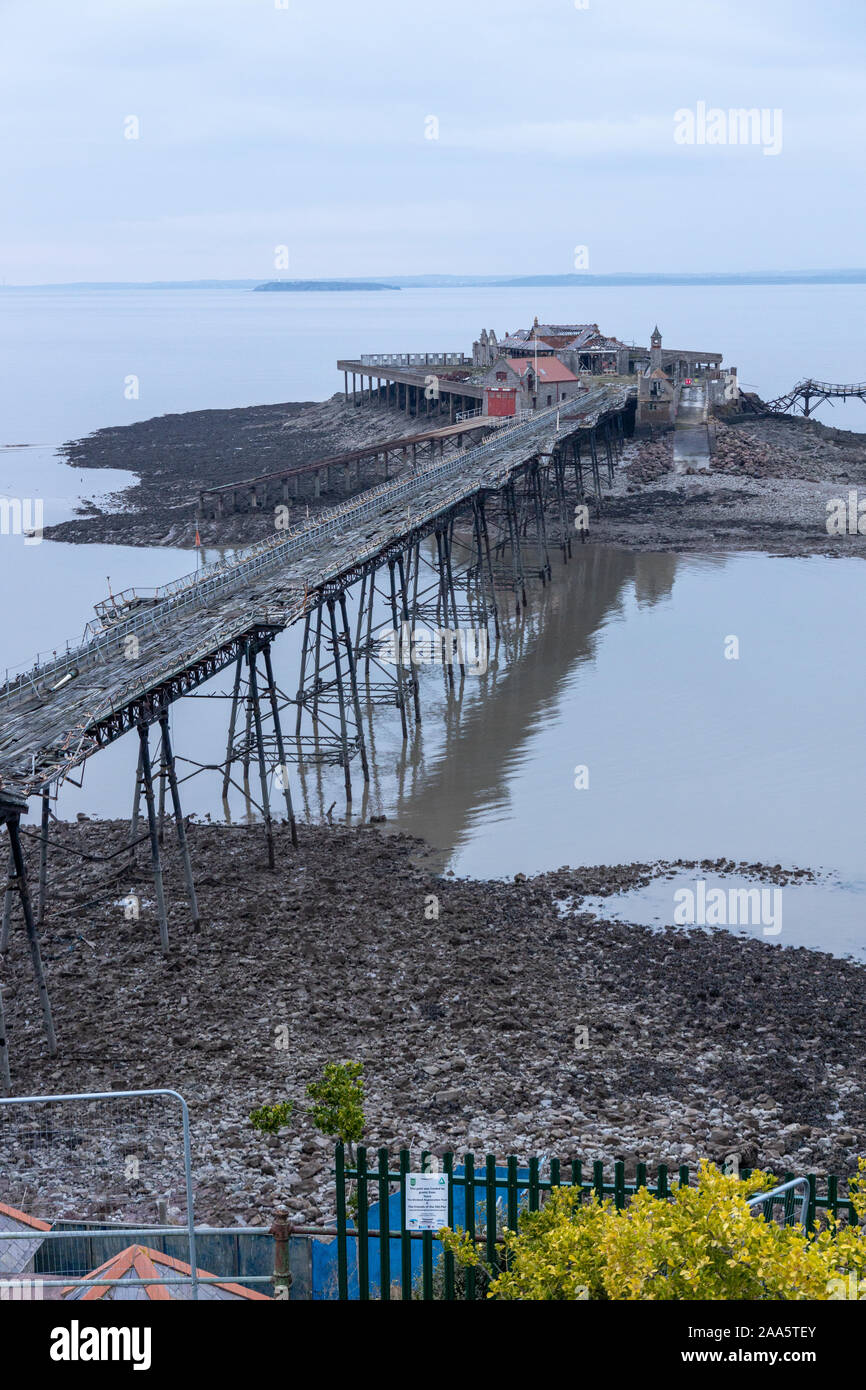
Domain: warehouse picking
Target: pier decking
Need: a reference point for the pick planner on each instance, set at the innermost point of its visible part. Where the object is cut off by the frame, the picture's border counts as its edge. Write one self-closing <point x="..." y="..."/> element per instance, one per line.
<point x="55" y="715"/>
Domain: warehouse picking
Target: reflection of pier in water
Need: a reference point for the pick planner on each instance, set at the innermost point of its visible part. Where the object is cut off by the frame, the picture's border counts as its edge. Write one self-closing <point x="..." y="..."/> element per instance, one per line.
<point x="490" y="717"/>
<point x="557" y="633"/>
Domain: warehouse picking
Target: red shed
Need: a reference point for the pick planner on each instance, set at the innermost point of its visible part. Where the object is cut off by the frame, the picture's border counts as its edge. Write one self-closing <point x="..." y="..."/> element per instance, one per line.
<point x="500" y="400"/>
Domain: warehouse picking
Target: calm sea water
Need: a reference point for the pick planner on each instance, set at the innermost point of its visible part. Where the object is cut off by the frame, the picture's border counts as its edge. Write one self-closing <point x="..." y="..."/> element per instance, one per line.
<point x="622" y="668"/>
<point x="65" y="354"/>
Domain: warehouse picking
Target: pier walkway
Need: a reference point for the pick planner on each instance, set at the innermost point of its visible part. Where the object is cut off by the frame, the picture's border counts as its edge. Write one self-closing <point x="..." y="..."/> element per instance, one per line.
<point x="55" y="715"/>
<point x="691" y="429"/>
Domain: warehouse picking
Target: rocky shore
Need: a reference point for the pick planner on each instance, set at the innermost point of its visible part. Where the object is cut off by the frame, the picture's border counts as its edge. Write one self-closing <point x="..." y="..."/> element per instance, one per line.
<point x="767" y="489"/>
<point x="469" y="1024"/>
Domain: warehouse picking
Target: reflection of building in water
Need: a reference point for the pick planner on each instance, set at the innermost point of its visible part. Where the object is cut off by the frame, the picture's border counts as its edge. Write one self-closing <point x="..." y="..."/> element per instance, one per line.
<point x="653" y="576"/>
<point x="654" y="573"/>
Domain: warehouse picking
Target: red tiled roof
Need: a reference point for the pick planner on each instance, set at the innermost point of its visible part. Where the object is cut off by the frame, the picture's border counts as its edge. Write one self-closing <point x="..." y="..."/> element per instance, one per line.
<point x="144" y="1262"/>
<point x="549" y="368"/>
<point x="24" y="1218"/>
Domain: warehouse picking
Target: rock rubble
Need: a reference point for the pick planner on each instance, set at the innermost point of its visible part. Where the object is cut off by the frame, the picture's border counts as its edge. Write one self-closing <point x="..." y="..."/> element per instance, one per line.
<point x="470" y="1027"/>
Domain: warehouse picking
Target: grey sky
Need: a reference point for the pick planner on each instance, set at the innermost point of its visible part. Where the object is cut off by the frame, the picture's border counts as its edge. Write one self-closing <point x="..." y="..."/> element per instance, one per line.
<point x="305" y="126"/>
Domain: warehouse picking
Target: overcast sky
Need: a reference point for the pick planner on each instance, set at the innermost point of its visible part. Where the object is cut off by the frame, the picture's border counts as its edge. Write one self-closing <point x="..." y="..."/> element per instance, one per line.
<point x="308" y="126"/>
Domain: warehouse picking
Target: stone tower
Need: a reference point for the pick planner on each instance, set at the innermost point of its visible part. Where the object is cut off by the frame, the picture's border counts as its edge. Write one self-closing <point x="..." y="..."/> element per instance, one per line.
<point x="655" y="349"/>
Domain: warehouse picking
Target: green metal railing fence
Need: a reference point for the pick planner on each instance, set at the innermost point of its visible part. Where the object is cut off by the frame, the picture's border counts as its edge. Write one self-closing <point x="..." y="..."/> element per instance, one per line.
<point x="378" y="1257"/>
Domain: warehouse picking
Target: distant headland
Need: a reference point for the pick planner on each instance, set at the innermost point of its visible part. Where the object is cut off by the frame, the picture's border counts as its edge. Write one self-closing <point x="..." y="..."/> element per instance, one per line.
<point x="300" y="285"/>
<point x="569" y="280"/>
<point x="624" y="280"/>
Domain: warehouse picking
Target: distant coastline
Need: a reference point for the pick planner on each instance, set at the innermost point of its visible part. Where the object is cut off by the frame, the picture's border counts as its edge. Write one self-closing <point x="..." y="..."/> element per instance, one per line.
<point x="622" y="279"/>
<point x="299" y="286"/>
<point x="793" y="277"/>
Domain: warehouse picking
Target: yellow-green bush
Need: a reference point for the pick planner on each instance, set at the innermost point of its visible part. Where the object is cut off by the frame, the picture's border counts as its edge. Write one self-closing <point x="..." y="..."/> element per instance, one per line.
<point x="703" y="1244"/>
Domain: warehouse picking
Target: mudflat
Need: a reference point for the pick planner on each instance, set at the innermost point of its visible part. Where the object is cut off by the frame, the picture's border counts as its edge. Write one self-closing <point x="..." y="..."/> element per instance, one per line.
<point x="513" y="1021"/>
<point x="771" y="485"/>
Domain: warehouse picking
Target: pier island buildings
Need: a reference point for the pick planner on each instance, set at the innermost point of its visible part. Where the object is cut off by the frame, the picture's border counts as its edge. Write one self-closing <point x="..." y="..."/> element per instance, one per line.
<point x="533" y="368"/>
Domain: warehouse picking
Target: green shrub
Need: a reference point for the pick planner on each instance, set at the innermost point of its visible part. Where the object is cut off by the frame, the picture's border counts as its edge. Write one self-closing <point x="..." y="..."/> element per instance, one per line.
<point x="270" y="1118"/>
<point x="703" y="1244"/>
<point x="338" y="1111"/>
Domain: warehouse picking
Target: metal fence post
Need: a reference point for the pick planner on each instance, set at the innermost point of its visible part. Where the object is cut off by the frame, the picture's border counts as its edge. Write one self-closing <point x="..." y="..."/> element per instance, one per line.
<point x="619" y="1184"/>
<point x="342" y="1243"/>
<point x="405" y="1240"/>
<point x="448" y="1274"/>
<point x="281" y="1230"/>
<point x="662" y="1181"/>
<point x="598" y="1178"/>
<point x="813" y="1192"/>
<point x="384" y="1227"/>
<point x="426" y="1245"/>
<point x="512" y="1195"/>
<point x="490" y="1208"/>
<point x="363" y="1227"/>
<point x="469" y="1216"/>
<point x="833" y="1196"/>
<point x="190" y="1212"/>
<point x="533" y="1184"/>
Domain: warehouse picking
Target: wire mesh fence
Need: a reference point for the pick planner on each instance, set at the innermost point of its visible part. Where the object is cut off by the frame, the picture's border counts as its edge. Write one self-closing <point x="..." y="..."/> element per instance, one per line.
<point x="120" y="1157"/>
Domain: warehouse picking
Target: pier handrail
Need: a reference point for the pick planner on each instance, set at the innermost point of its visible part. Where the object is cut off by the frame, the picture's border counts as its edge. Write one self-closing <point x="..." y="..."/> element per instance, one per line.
<point x="829" y="386"/>
<point x="226" y="575"/>
<point x="808" y="386"/>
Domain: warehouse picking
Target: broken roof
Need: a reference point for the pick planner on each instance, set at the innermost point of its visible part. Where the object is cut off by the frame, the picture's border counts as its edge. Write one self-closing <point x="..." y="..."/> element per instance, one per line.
<point x="600" y="343"/>
<point x="521" y="344"/>
<point x="561" y="335"/>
